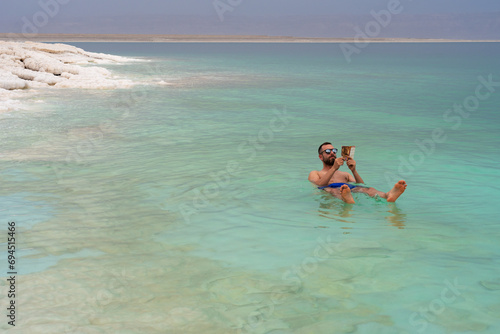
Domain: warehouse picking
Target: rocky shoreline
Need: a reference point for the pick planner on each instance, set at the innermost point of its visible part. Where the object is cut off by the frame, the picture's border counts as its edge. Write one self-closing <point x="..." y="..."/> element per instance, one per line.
<point x="25" y="65"/>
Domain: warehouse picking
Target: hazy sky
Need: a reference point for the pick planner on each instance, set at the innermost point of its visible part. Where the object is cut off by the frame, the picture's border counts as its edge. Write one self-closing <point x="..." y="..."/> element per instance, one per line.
<point x="133" y="16"/>
<point x="17" y="8"/>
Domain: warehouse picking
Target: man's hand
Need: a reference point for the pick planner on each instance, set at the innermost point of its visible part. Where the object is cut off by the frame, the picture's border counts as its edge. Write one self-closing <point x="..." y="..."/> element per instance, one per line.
<point x="351" y="163"/>
<point x="338" y="162"/>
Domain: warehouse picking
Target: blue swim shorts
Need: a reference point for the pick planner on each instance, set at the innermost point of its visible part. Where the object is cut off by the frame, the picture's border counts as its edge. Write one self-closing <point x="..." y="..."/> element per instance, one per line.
<point x="338" y="185"/>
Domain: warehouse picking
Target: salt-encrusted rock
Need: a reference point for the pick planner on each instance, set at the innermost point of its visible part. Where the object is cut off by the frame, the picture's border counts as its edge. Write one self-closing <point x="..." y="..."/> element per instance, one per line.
<point x="10" y="81"/>
<point x="30" y="75"/>
<point x="42" y="63"/>
<point x="28" y="65"/>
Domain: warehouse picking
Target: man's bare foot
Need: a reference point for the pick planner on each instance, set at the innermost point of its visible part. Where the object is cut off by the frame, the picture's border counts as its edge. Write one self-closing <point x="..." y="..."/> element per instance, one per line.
<point x="345" y="192"/>
<point x="396" y="191"/>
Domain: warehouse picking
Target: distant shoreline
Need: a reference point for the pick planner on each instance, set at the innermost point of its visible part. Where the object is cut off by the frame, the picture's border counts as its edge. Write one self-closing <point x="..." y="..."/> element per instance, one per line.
<point x="113" y="38"/>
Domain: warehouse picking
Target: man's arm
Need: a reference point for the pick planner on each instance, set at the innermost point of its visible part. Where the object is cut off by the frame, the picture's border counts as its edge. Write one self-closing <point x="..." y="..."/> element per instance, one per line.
<point x="314" y="177"/>
<point x="351" y="163"/>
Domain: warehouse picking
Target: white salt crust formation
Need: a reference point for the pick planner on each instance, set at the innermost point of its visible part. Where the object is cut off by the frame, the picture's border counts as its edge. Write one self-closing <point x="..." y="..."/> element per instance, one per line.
<point x="36" y="65"/>
<point x="27" y="65"/>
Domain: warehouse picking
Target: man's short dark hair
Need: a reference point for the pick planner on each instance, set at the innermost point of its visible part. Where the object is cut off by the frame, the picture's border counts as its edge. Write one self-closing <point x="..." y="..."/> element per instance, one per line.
<point x="320" y="146"/>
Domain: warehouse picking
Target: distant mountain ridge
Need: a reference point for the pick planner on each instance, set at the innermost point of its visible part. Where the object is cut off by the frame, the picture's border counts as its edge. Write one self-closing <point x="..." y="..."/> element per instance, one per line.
<point x="448" y="26"/>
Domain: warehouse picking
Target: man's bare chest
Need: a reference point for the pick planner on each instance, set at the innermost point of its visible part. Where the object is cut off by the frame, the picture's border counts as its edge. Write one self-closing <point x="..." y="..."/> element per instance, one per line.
<point x="338" y="176"/>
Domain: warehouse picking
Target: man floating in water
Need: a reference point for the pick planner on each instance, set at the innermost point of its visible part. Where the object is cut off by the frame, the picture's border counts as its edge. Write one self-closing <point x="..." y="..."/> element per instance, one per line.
<point x="335" y="181"/>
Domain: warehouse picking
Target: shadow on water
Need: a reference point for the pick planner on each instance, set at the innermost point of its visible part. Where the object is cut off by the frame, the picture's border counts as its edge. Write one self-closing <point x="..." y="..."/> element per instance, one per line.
<point x="397" y="217"/>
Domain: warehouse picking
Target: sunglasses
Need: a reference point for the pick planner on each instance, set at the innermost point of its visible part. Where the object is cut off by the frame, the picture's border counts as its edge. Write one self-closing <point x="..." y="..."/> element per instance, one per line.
<point x="329" y="150"/>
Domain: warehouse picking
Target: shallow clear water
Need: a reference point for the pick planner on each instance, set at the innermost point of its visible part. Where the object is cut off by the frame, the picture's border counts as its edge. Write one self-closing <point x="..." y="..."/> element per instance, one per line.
<point x="185" y="208"/>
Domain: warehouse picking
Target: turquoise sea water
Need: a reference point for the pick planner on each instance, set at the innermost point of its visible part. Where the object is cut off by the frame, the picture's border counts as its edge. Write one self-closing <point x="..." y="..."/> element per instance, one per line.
<point x="182" y="205"/>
